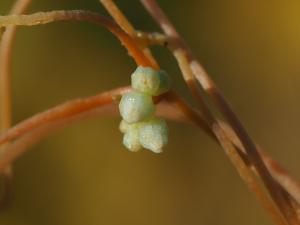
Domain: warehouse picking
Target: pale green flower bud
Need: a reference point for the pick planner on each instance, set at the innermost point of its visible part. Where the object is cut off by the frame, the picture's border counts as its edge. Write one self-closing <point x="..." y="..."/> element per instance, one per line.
<point x="124" y="126"/>
<point x="153" y="135"/>
<point x="135" y="106"/>
<point x="150" y="81"/>
<point x="131" y="139"/>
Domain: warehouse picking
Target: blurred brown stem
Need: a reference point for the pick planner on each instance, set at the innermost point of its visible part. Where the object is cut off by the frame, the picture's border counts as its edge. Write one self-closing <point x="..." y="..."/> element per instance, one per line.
<point x="39" y="126"/>
<point x="232" y="138"/>
<point x="5" y="92"/>
<point x="81" y="15"/>
<point x="122" y="21"/>
<point x="193" y="85"/>
<point x="211" y="89"/>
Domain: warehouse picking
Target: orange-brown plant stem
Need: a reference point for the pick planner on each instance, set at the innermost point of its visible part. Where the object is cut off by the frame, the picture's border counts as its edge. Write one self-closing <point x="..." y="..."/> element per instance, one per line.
<point x="278" y="172"/>
<point x="231" y="150"/>
<point x="208" y="85"/>
<point x="81" y="15"/>
<point x="192" y="83"/>
<point x="61" y="111"/>
<point x="118" y="16"/>
<point x="77" y="106"/>
<point x="246" y="174"/>
<point x="41" y="125"/>
<point x="122" y="21"/>
<point x="5" y="67"/>
<point x="5" y="91"/>
<point x="77" y="109"/>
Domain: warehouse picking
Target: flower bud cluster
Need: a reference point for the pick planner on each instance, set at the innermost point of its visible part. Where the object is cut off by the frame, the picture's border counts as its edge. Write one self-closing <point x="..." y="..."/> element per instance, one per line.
<point x="140" y="126"/>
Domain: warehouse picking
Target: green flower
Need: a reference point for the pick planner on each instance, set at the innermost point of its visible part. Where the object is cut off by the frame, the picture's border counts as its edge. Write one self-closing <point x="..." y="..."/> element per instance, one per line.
<point x="135" y="106"/>
<point x="153" y="135"/>
<point x="150" y="81"/>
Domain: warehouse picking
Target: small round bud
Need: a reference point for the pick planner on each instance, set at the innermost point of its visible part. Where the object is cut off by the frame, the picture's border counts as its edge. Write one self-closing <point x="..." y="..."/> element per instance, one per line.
<point x="135" y="106"/>
<point x="131" y="140"/>
<point x="145" y="79"/>
<point x="124" y="126"/>
<point x="153" y="135"/>
<point x="150" y="81"/>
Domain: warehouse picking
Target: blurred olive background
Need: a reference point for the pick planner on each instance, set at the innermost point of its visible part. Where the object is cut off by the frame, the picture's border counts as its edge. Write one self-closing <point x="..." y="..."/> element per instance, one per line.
<point x="83" y="174"/>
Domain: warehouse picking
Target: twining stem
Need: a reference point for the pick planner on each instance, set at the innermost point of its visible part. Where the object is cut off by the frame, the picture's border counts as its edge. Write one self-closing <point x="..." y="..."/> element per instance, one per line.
<point x="61" y="111"/>
<point x="231" y="150"/>
<point x="122" y="21"/>
<point x="5" y="67"/>
<point x="78" y="106"/>
<point x="59" y="114"/>
<point x="278" y="172"/>
<point x="39" y="126"/>
<point x="208" y="85"/>
<point x="178" y="53"/>
<point x="246" y="174"/>
<point x="81" y="15"/>
<point x="193" y="85"/>
<point x="5" y="91"/>
<point x="118" y="16"/>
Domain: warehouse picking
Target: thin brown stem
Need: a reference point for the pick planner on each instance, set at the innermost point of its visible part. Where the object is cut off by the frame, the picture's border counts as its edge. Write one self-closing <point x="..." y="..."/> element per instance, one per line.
<point x="246" y="175"/>
<point x="231" y="151"/>
<point x="5" y="91"/>
<point x="5" y="67"/>
<point x="61" y="111"/>
<point x="118" y="16"/>
<point x="81" y="15"/>
<point x="208" y="85"/>
<point x="78" y="106"/>
<point x="40" y="126"/>
<point x="192" y="83"/>
<point x="37" y="127"/>
<point x="278" y="172"/>
<point x="124" y="23"/>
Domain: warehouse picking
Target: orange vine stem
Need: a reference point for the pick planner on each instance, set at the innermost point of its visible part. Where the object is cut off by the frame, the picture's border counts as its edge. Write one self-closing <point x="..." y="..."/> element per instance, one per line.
<point x="81" y="15"/>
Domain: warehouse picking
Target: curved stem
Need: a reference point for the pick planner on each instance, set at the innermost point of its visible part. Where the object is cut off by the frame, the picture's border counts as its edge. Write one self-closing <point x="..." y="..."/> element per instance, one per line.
<point x="6" y="44"/>
<point x="278" y="172"/>
<point x="37" y="127"/>
<point x="209" y="86"/>
<point x="122" y="21"/>
<point x="61" y="111"/>
<point x="80" y="15"/>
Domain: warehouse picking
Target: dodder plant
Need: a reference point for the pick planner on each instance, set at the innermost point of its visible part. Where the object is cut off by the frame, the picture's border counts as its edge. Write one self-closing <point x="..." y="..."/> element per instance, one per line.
<point x="276" y="190"/>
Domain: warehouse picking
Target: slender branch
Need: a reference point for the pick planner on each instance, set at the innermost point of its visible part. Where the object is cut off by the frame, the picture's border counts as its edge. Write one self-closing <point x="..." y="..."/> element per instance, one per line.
<point x="61" y="111"/>
<point x="5" y="69"/>
<point x="208" y="85"/>
<point x="189" y="78"/>
<point x="6" y="44"/>
<point x="118" y="16"/>
<point x="80" y="15"/>
<point x="122" y="21"/>
<point x="231" y="151"/>
<point x="193" y="84"/>
<point x="282" y="176"/>
<point x="246" y="175"/>
<point x="278" y="172"/>
<point x="40" y="126"/>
